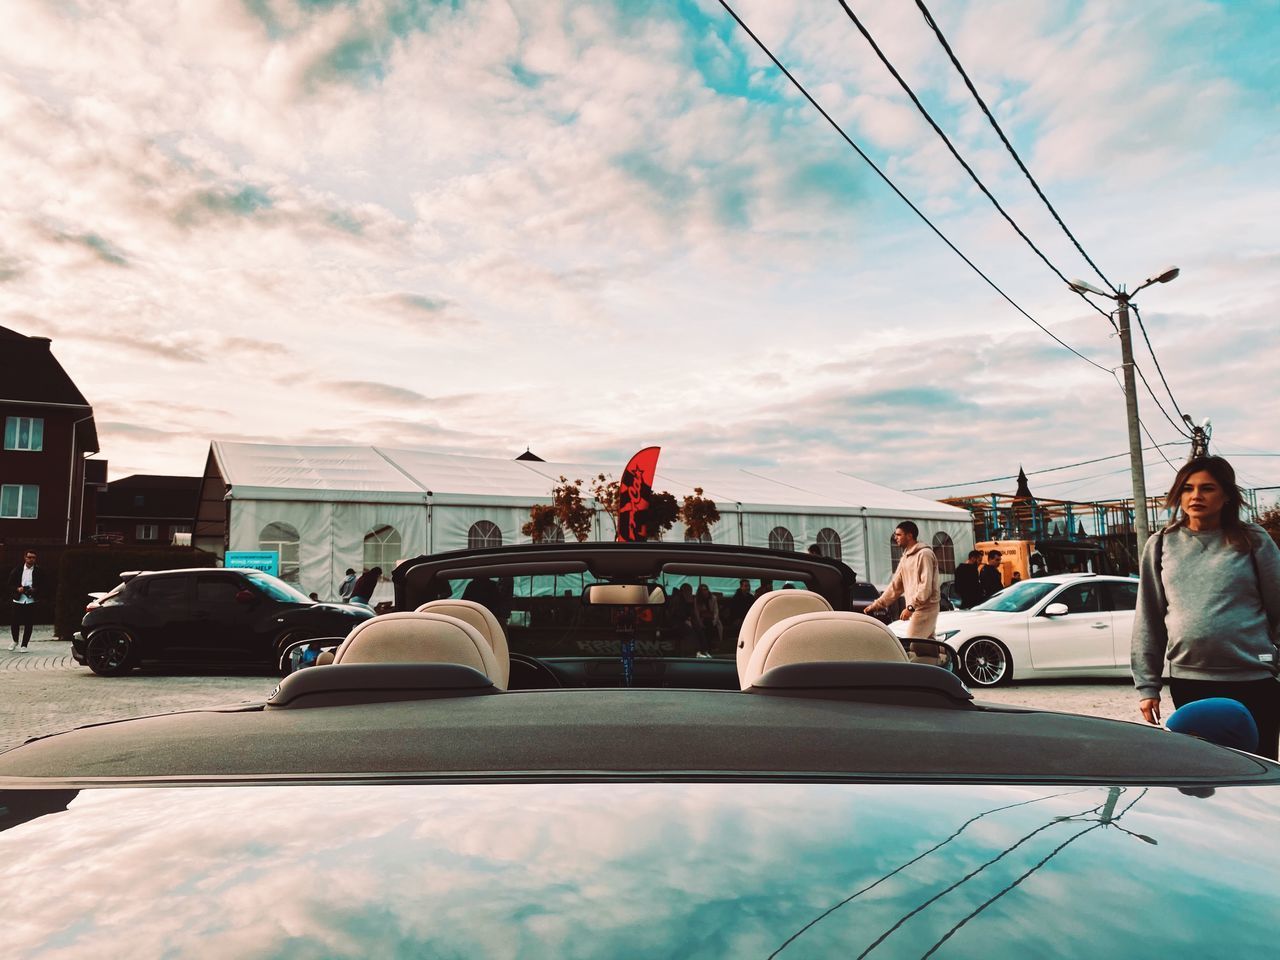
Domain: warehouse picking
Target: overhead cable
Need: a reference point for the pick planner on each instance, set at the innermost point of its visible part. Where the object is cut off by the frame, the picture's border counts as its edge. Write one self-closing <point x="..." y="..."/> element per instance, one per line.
<point x="1032" y="473"/>
<point x="961" y="160"/>
<point x="955" y="62"/>
<point x="1152" y="351"/>
<point x="883" y="176"/>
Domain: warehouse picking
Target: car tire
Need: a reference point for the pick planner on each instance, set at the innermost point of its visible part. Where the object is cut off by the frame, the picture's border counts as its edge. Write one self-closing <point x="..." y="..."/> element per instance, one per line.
<point x="110" y="651"/>
<point x="985" y="662"/>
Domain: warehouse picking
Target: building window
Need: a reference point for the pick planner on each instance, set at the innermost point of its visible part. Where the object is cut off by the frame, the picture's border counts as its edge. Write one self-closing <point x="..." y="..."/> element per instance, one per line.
<point x="946" y="553"/>
<point x="139" y="500"/>
<point x="179" y="528"/>
<point x="284" y="540"/>
<point x="382" y="548"/>
<point x="24" y="433"/>
<point x="147" y="531"/>
<point x="484" y="533"/>
<point x="829" y="543"/>
<point x="19" y="501"/>
<point x="780" y="538"/>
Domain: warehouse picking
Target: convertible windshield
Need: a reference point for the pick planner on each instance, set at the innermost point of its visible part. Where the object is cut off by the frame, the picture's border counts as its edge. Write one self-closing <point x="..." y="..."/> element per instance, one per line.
<point x="1018" y="597"/>
<point x="277" y="589"/>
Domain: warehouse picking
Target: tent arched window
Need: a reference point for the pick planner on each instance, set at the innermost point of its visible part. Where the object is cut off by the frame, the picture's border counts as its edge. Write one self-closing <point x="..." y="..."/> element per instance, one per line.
<point x="382" y="548"/>
<point x="895" y="555"/>
<point x="780" y="538"/>
<point x="829" y="543"/>
<point x="946" y="553"/>
<point x="485" y="533"/>
<point x="552" y="533"/>
<point x="283" y="539"/>
<point x="690" y="538"/>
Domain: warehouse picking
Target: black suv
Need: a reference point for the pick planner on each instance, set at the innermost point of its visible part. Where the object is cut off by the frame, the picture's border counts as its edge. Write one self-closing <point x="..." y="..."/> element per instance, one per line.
<point x="206" y="616"/>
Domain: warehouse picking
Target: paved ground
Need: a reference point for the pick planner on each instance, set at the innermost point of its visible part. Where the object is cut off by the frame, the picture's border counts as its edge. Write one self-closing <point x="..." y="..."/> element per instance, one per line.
<point x="44" y="691"/>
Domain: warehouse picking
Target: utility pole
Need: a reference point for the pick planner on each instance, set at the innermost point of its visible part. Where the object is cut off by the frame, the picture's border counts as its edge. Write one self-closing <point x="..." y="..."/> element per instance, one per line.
<point x="1141" y="526"/>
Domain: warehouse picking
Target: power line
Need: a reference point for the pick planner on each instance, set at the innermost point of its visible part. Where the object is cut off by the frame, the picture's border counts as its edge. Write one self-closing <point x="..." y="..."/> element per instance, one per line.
<point x="959" y="159"/>
<point x="1180" y="428"/>
<point x="1032" y="473"/>
<point x="883" y="176"/>
<point x="1152" y="350"/>
<point x="937" y="31"/>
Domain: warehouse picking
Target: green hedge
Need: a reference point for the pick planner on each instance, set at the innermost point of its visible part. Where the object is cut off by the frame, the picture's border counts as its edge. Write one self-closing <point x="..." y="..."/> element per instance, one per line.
<point x="86" y="570"/>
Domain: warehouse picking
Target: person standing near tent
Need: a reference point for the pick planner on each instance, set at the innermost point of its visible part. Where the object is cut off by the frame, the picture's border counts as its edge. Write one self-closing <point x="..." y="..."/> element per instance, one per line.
<point x="1209" y="604"/>
<point x="362" y="591"/>
<point x="989" y="576"/>
<point x="967" y="583"/>
<point x="347" y="586"/>
<point x="916" y="581"/>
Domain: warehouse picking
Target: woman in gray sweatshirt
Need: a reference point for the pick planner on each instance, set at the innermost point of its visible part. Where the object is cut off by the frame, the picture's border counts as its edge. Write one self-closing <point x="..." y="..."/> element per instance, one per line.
<point x="1209" y="603"/>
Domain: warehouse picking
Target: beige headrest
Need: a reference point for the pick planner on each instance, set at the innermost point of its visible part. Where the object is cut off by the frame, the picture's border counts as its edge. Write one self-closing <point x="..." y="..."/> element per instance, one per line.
<point x="419" y="638"/>
<point x="832" y="635"/>
<point x="482" y="618"/>
<point x="770" y="608"/>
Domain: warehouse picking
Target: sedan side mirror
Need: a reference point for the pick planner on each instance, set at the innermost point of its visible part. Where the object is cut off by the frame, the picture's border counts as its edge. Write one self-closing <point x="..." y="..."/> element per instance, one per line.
<point x="1056" y="610"/>
<point x="245" y="596"/>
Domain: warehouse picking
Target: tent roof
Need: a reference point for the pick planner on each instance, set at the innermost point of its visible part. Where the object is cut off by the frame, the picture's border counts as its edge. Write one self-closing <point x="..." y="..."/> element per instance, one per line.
<point x="256" y="471"/>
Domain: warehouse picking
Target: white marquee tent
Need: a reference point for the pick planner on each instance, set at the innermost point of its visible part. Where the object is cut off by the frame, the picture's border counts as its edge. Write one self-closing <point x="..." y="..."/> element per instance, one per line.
<point x="329" y="508"/>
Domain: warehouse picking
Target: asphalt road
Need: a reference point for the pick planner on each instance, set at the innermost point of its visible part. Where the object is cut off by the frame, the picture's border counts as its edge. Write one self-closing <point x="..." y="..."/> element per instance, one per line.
<point x="44" y="691"/>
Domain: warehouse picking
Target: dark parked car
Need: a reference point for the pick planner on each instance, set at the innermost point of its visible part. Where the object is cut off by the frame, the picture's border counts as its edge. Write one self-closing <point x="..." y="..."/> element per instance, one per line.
<point x="203" y="616"/>
<point x="833" y="799"/>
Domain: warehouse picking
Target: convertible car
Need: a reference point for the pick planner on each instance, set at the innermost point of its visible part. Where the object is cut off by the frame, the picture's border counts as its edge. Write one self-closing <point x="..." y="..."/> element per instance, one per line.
<point x="522" y="761"/>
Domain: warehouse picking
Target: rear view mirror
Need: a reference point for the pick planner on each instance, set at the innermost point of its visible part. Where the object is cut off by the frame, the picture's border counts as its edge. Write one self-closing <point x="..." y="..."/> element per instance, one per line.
<point x="1056" y="610"/>
<point x="244" y="596"/>
<point x="624" y="595"/>
<point x="935" y="653"/>
<point x="307" y="653"/>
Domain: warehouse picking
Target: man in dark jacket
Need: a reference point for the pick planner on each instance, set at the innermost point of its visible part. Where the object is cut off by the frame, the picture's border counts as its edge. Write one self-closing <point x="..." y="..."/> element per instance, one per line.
<point x="26" y="587"/>
<point x="989" y="577"/>
<point x="967" y="586"/>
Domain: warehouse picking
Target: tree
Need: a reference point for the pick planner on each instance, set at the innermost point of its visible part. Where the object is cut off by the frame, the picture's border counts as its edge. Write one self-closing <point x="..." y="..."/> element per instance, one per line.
<point x="1269" y="520"/>
<point x="567" y="507"/>
<point x="699" y="515"/>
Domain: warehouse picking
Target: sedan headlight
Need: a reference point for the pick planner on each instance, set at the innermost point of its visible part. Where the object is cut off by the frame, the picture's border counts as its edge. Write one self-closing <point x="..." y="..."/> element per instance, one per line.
<point x="946" y="635"/>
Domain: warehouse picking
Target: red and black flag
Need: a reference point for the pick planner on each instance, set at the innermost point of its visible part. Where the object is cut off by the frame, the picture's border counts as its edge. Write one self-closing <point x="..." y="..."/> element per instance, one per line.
<point x="635" y="490"/>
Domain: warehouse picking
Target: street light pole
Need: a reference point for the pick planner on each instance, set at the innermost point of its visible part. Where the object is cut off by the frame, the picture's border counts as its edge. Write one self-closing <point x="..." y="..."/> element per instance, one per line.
<point x="1141" y="527"/>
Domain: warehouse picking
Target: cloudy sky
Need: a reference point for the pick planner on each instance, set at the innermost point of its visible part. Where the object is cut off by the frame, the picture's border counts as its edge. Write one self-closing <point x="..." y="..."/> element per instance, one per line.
<point x="585" y="227"/>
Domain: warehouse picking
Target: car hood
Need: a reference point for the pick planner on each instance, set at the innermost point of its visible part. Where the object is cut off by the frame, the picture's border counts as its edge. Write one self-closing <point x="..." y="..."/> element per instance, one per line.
<point x="640" y="869"/>
<point x="962" y="620"/>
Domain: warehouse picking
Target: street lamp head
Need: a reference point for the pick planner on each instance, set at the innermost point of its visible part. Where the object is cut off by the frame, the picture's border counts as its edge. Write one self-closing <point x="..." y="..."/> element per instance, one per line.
<point x="1079" y="286"/>
<point x="1169" y="273"/>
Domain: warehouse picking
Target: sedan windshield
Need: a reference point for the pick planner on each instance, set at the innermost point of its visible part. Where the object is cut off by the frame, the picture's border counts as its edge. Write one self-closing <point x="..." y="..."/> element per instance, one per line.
<point x="278" y="589"/>
<point x="1018" y="597"/>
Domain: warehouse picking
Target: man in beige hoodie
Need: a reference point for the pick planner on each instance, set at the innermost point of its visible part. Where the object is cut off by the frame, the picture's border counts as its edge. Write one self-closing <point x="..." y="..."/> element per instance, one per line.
<point x="916" y="581"/>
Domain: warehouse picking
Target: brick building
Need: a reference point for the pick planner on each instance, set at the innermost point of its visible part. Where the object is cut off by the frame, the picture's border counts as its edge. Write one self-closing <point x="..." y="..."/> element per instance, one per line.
<point x="46" y="499"/>
<point x="147" y="509"/>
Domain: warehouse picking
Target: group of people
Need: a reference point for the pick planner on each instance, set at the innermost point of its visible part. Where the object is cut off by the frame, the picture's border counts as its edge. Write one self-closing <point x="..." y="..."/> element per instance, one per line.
<point x="1208" y="610"/>
<point x="977" y="581"/>
<point x="359" y="589"/>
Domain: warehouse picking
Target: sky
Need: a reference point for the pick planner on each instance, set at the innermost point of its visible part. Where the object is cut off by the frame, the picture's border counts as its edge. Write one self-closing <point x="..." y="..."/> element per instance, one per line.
<point x="586" y="227"/>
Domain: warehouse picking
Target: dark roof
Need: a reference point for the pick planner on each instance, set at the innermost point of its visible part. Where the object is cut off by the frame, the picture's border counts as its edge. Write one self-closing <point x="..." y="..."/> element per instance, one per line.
<point x="162" y="496"/>
<point x="530" y="455"/>
<point x="671" y="733"/>
<point x="32" y="372"/>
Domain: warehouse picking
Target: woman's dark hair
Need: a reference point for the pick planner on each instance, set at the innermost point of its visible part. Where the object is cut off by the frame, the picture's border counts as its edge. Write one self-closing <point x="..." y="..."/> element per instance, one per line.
<point x="1225" y="474"/>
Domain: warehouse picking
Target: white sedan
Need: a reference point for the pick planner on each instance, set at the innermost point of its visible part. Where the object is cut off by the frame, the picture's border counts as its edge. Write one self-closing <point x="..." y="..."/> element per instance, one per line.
<point x="1070" y="625"/>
